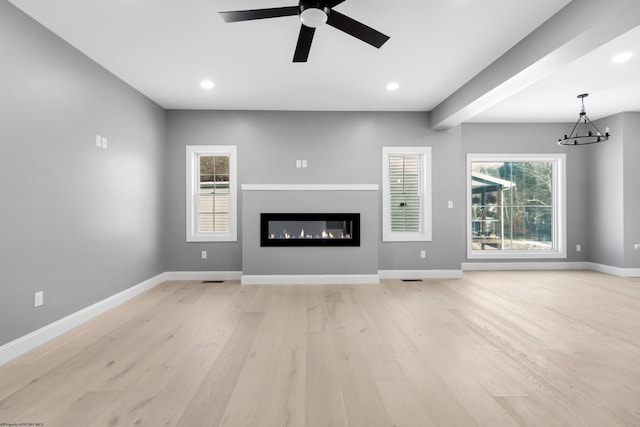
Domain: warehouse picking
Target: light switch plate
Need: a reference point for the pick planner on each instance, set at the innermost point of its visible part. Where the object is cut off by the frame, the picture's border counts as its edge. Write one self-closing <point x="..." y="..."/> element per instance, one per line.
<point x="38" y="299"/>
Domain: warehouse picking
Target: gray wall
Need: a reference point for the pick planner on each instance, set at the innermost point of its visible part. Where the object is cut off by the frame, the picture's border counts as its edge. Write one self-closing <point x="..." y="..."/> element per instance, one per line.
<point x="631" y="182"/>
<point x="444" y="251"/>
<point x="606" y="206"/>
<point x="346" y="148"/>
<point x="615" y="202"/>
<point x="540" y="138"/>
<point x="340" y="147"/>
<point x="77" y="222"/>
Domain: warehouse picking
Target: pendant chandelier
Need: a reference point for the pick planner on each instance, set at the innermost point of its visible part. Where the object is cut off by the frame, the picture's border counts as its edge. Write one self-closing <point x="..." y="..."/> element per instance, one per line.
<point x="590" y="133"/>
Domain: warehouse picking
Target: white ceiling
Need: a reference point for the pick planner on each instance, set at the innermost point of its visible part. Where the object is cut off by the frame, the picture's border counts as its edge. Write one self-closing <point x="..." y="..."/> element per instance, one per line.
<point x="164" y="48"/>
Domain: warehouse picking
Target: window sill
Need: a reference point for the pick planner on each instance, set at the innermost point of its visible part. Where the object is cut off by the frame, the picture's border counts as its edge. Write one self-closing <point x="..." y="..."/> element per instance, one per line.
<point x="212" y="239"/>
<point x="516" y="255"/>
<point x="390" y="237"/>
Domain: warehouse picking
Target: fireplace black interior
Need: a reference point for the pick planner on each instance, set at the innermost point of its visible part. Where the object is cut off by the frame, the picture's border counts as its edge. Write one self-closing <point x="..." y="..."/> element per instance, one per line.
<point x="309" y="229"/>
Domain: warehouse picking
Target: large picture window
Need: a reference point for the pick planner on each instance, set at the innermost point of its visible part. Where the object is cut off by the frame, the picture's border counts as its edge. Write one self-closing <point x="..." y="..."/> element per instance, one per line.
<point x="406" y="191"/>
<point x="211" y="193"/>
<point x="516" y="206"/>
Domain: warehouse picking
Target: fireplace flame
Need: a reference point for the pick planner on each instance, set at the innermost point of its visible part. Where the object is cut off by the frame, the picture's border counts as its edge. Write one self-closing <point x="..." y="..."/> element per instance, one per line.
<point x="323" y="235"/>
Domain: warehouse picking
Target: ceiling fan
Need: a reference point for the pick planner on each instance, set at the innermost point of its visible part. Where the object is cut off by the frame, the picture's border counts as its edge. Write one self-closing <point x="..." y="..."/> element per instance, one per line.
<point x="312" y="14"/>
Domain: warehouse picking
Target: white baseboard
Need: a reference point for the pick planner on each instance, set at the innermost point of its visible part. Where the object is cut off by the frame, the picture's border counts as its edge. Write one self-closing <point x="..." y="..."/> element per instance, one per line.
<point x="616" y="271"/>
<point x="36" y="338"/>
<point x="28" y="342"/>
<point x="496" y="266"/>
<point x="203" y="275"/>
<point x="420" y="274"/>
<point x="310" y="279"/>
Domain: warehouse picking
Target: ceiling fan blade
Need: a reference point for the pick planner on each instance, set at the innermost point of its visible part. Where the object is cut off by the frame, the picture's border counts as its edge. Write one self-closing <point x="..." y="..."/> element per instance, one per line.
<point x="356" y="29"/>
<point x="248" y="15"/>
<point x="304" y="44"/>
<point x="333" y="3"/>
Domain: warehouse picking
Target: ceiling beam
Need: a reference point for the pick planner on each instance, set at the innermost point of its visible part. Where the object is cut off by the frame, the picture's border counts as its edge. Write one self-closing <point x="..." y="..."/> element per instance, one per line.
<point x="577" y="29"/>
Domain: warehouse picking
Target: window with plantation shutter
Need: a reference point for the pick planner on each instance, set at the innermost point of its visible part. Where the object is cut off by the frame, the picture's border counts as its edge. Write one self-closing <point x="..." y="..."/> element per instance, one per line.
<point x="211" y="193"/>
<point x="406" y="193"/>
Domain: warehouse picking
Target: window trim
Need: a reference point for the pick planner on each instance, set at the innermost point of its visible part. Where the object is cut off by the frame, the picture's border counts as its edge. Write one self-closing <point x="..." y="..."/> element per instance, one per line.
<point x="425" y="233"/>
<point x="192" y="169"/>
<point x="558" y="161"/>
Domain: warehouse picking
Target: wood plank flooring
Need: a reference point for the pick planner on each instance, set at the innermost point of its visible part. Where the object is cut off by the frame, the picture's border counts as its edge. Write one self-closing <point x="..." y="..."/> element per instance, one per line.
<point x="491" y="349"/>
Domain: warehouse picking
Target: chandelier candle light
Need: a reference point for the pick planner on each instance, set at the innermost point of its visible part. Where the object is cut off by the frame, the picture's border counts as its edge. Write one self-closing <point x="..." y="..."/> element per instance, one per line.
<point x="591" y="134"/>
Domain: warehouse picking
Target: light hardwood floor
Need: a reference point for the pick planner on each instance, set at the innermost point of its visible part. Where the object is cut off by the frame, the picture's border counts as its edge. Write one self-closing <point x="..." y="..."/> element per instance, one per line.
<point x="493" y="348"/>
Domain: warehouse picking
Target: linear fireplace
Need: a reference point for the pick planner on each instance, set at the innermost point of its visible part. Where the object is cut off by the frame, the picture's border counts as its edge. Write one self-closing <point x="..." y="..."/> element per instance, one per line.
<point x="309" y="229"/>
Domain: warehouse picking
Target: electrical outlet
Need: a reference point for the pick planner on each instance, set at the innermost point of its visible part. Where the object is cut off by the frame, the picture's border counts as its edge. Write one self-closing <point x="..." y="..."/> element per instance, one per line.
<point x="105" y="143"/>
<point x="38" y="299"/>
<point x="298" y="163"/>
<point x="578" y="248"/>
<point x="450" y="204"/>
<point x="423" y="254"/>
<point x="304" y="163"/>
<point x="204" y="254"/>
<point x="636" y="246"/>
<point x="98" y="141"/>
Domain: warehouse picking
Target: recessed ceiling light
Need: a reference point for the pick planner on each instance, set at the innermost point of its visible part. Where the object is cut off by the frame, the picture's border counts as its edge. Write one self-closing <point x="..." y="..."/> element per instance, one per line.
<point x="621" y="57"/>
<point x="207" y="84"/>
<point x="393" y="86"/>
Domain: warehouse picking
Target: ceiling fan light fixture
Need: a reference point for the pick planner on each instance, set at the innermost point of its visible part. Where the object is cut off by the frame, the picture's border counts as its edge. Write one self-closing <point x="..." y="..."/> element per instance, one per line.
<point x="313" y="16"/>
<point x="590" y="132"/>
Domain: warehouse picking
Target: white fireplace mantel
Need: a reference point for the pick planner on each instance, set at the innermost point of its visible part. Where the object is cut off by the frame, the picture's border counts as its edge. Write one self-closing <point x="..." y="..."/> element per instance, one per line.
<point x="310" y="187"/>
